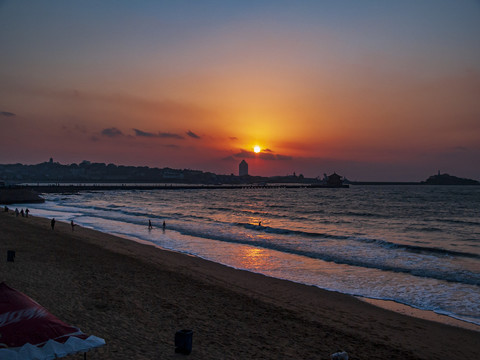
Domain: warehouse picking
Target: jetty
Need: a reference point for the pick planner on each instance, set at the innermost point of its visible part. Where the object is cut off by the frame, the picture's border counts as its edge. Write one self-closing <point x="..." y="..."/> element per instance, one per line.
<point x="19" y="195"/>
<point x="130" y="187"/>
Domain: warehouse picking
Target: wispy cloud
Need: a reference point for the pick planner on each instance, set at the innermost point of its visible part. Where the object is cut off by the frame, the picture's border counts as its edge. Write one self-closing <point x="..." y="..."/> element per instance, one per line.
<point x="7" y="113"/>
<point x="192" y="134"/>
<point x="266" y="154"/>
<point x="143" y="133"/>
<point x="163" y="135"/>
<point x="270" y="156"/>
<point x="170" y="136"/>
<point x="111" y="132"/>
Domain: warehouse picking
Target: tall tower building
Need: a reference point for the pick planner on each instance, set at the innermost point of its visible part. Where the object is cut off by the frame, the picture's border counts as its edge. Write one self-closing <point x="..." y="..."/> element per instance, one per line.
<point x="243" y="168"/>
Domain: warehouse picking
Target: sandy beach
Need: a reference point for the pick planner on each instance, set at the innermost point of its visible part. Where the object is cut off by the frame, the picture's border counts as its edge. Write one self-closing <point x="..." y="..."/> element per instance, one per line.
<point x="136" y="297"/>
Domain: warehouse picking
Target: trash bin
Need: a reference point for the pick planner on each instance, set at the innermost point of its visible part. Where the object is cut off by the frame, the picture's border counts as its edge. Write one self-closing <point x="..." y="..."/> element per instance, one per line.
<point x="183" y="341"/>
<point x="10" y="255"/>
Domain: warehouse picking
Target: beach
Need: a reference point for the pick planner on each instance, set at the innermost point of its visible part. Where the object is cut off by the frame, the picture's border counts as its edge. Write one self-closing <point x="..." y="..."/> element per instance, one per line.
<point x="136" y="296"/>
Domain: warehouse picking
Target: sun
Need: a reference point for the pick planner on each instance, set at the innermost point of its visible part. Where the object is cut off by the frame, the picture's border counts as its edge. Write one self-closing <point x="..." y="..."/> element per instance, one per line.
<point x="256" y="149"/>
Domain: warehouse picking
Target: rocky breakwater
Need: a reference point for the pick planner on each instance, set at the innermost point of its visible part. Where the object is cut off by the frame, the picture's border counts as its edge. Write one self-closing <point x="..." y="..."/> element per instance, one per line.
<point x="19" y="196"/>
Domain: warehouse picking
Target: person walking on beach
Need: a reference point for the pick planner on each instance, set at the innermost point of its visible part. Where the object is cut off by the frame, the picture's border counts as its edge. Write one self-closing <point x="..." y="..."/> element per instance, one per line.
<point x="26" y="212"/>
<point x="150" y="225"/>
<point x="52" y="223"/>
<point x="73" y="225"/>
<point x="164" y="226"/>
<point x="22" y="213"/>
<point x="16" y="212"/>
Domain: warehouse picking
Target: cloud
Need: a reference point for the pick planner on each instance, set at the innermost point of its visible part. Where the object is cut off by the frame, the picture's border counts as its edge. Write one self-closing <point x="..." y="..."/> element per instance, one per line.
<point x="170" y="136"/>
<point x="233" y="138"/>
<point x="7" y="113"/>
<point x="243" y="154"/>
<point x="142" y="133"/>
<point x="192" y="134"/>
<point x="112" y="132"/>
<point x="264" y="155"/>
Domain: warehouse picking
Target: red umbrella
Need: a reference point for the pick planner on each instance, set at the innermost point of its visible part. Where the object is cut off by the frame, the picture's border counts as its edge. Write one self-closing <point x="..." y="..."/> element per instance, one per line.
<point x="29" y="331"/>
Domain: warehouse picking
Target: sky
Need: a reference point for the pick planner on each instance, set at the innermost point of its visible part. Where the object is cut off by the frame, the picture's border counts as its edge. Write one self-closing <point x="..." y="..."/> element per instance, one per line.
<point x="373" y="90"/>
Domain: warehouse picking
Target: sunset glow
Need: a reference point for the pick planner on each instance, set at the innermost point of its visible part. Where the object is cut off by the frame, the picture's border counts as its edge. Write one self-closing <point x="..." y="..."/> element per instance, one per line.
<point x="256" y="149"/>
<point x="322" y="86"/>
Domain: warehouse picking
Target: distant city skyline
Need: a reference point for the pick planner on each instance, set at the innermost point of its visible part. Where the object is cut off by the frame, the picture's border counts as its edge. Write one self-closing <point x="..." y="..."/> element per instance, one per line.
<point x="371" y="90"/>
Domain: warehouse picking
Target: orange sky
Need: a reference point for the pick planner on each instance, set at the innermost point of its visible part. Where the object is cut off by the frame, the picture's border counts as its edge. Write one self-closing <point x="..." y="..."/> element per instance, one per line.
<point x="373" y="91"/>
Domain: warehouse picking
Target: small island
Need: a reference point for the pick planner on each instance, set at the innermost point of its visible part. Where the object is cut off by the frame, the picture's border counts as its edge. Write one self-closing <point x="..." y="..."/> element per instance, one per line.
<point x="446" y="179"/>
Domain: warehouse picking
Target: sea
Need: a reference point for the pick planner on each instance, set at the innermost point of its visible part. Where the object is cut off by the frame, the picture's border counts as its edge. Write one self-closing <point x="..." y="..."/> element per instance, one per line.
<point x="413" y="245"/>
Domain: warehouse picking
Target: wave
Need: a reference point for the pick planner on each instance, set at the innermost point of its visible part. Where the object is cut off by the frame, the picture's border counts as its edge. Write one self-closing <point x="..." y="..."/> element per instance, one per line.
<point x="113" y="212"/>
<point x="423" y="229"/>
<point x="279" y="231"/>
<point x="274" y="206"/>
<point x="382" y="243"/>
<point x="363" y="214"/>
<point x="222" y="231"/>
<point x="418" y="249"/>
<point x="459" y="222"/>
<point x="465" y="276"/>
<point x="222" y="209"/>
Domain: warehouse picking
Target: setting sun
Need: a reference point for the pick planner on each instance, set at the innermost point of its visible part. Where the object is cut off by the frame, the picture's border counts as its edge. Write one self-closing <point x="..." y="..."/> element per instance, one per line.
<point x="256" y="149"/>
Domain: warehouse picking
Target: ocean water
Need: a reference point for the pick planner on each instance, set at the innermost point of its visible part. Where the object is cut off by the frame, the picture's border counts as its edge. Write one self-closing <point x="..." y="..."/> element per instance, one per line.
<point x="416" y="245"/>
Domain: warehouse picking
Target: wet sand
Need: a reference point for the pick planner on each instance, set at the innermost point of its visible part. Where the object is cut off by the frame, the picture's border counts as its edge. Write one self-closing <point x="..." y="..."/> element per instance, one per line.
<point x="136" y="297"/>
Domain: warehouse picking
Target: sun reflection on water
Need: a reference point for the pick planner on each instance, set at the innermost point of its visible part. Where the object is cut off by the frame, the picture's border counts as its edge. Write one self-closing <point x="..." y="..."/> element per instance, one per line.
<point x="253" y="258"/>
<point x="255" y="220"/>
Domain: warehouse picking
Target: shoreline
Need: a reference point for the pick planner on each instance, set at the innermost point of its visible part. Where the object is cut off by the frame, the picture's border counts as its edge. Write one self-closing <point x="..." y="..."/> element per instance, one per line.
<point x="429" y="315"/>
<point x="390" y="305"/>
<point x="136" y="296"/>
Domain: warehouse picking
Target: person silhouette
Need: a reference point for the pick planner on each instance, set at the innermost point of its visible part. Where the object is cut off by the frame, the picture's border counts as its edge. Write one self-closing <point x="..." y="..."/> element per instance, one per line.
<point x="150" y="225"/>
<point x="52" y="223"/>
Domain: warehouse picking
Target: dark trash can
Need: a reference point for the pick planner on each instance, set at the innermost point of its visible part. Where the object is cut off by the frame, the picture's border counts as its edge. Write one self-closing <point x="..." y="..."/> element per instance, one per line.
<point x="10" y="255"/>
<point x="183" y="341"/>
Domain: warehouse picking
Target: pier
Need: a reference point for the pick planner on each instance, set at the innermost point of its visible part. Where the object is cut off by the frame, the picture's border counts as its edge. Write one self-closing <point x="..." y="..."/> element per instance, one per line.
<point x="107" y="187"/>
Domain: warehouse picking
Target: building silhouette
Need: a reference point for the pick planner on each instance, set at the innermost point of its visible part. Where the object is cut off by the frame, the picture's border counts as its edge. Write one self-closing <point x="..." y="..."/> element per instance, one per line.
<point x="243" y="168"/>
<point x="334" y="180"/>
